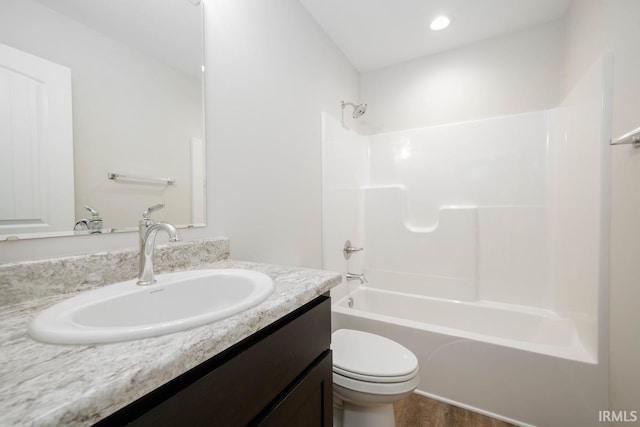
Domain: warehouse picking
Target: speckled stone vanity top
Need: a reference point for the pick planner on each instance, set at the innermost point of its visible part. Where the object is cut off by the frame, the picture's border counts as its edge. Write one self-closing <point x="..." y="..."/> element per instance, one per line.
<point x="75" y="385"/>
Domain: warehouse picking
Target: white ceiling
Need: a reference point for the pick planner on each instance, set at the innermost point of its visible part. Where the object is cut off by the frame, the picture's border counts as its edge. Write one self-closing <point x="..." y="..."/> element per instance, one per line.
<point x="378" y="33"/>
<point x="168" y="30"/>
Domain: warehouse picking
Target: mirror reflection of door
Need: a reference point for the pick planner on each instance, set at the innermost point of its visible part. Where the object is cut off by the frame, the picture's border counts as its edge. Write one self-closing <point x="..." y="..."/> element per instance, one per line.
<point x="36" y="142"/>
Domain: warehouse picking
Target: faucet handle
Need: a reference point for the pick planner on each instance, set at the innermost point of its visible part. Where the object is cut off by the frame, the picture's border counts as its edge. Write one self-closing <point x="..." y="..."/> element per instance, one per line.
<point x="94" y="224"/>
<point x="93" y="211"/>
<point x="149" y="211"/>
<point x="348" y="249"/>
<point x="146" y="220"/>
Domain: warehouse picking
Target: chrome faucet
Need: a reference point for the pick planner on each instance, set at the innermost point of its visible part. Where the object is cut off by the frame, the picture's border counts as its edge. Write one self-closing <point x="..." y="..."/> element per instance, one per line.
<point x="352" y="276"/>
<point x="94" y="225"/>
<point x="148" y="229"/>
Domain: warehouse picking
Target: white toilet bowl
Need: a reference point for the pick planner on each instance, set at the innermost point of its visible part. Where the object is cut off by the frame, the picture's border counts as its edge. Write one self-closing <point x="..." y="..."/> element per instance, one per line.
<point x="370" y="372"/>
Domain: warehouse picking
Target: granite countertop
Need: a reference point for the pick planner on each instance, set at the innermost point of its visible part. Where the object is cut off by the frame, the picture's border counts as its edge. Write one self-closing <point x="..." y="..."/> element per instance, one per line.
<point x="77" y="385"/>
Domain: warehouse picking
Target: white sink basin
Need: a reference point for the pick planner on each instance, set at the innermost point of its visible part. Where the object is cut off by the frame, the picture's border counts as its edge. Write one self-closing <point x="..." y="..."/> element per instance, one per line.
<point x="125" y="311"/>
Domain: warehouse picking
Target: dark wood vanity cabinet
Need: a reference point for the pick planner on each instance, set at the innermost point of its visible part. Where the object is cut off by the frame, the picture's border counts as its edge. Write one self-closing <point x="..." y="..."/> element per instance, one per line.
<point x="280" y="376"/>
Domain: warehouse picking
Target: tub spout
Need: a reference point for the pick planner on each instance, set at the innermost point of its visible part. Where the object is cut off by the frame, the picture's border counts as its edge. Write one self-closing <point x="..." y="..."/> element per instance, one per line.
<point x="352" y="276"/>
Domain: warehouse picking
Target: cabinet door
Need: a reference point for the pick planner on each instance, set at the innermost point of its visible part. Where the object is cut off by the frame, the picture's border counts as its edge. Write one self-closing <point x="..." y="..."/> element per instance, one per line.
<point x="308" y="403"/>
<point x="234" y="388"/>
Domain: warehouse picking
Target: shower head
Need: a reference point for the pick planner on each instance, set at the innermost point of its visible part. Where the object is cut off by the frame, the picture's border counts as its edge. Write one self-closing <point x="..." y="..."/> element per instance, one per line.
<point x="358" y="110"/>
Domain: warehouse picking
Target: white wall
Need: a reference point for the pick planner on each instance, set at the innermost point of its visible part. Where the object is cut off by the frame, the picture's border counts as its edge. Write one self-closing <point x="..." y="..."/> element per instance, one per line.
<point x="506" y="75"/>
<point x="592" y="26"/>
<point x="271" y="72"/>
<point x="585" y="38"/>
<point x="625" y="209"/>
<point x="131" y="114"/>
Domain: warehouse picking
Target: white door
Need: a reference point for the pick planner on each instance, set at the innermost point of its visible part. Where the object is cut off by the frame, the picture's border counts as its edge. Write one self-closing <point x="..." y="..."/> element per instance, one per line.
<point x="36" y="145"/>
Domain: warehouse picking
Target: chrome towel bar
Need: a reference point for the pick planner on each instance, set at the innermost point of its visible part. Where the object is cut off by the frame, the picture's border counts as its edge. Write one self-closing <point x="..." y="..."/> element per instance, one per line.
<point x="143" y="179"/>
<point x="632" y="138"/>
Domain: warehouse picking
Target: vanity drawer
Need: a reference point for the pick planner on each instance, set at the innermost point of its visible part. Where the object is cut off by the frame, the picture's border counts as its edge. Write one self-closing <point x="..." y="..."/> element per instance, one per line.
<point x="235" y="386"/>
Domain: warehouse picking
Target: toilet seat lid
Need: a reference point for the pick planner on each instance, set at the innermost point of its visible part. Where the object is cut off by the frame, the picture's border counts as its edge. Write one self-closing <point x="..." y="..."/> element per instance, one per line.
<point x="371" y="355"/>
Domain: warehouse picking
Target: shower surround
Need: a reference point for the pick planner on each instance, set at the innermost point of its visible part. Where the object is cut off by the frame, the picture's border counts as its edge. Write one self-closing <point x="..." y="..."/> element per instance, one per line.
<point x="485" y="250"/>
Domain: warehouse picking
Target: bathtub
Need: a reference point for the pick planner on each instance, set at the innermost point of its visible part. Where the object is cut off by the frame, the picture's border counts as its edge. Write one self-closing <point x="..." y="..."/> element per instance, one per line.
<point x="523" y="365"/>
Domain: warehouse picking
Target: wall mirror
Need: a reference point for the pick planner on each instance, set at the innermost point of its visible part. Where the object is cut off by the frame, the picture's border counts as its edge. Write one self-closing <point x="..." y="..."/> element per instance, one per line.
<point x="101" y="107"/>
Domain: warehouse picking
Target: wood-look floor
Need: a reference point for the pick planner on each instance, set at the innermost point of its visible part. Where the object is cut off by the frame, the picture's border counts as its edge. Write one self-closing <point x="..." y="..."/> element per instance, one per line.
<point x="420" y="411"/>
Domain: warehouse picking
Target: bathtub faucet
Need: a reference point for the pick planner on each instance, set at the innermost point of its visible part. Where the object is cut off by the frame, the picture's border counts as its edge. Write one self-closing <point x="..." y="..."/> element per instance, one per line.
<point x="352" y="276"/>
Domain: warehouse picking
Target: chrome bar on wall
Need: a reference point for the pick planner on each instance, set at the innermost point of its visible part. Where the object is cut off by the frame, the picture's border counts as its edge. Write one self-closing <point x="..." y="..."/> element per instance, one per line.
<point x="143" y="179"/>
<point x="632" y="138"/>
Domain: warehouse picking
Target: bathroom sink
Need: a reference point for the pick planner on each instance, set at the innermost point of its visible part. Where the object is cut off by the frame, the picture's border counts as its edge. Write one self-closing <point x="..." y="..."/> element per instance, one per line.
<point x="126" y="311"/>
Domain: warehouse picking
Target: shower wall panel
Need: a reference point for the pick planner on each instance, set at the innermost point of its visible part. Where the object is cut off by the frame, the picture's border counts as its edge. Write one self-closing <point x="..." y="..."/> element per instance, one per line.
<point x="579" y="202"/>
<point x="490" y="176"/>
<point x="439" y="261"/>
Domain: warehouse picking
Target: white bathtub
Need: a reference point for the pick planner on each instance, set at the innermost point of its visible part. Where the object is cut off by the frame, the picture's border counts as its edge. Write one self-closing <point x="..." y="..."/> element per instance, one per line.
<point x="522" y="365"/>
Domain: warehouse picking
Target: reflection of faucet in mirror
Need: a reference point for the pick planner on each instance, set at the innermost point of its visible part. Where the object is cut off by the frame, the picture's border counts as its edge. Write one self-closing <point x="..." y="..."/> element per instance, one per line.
<point x="81" y="225"/>
<point x="93" y="224"/>
<point x="148" y="229"/>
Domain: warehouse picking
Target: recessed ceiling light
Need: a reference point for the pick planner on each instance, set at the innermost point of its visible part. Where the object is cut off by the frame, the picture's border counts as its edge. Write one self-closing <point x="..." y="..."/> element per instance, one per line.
<point x="440" y="23"/>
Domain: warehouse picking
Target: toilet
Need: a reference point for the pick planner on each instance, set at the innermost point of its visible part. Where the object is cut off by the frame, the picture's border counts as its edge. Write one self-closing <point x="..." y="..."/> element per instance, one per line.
<point x="370" y="372"/>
